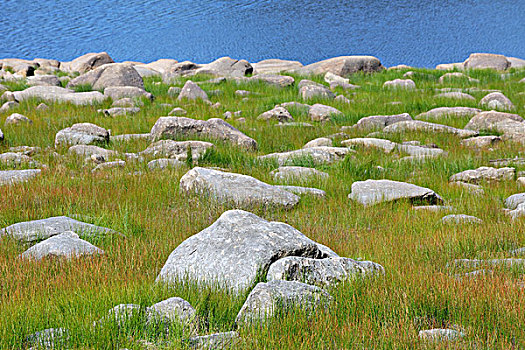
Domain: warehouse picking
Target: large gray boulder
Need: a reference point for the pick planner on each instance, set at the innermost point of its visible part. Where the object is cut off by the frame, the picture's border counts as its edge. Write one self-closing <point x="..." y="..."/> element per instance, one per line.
<point x="379" y="122"/>
<point x="321" y="272"/>
<point x="192" y="91"/>
<point x="11" y="177"/>
<point x="82" y="134"/>
<point x="234" y="250"/>
<point x="489" y="119"/>
<point x="241" y="190"/>
<point x="372" y="192"/>
<point x="175" y="127"/>
<point x="318" y="155"/>
<point x="50" y="80"/>
<point x="118" y="92"/>
<point x="421" y="126"/>
<point x="66" y="245"/>
<point x="321" y="113"/>
<point x="487" y="61"/>
<point x="275" y="66"/>
<point x="265" y="298"/>
<point x="58" y="94"/>
<point x="440" y="112"/>
<point x="177" y="149"/>
<point x="31" y="231"/>
<point x="114" y="74"/>
<point x="226" y="67"/>
<point x="484" y="173"/>
<point x="343" y="66"/>
<point x="87" y="62"/>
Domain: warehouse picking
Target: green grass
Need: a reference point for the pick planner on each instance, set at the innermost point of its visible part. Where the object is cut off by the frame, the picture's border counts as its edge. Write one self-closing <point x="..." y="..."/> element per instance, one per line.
<point x="417" y="292"/>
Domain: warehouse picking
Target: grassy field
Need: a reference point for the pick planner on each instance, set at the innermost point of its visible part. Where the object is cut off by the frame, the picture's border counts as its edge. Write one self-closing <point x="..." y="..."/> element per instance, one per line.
<point x="418" y="291"/>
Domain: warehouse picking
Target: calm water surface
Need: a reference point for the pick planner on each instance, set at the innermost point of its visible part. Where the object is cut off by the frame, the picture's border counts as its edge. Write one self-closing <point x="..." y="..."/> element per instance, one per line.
<point x="421" y="33"/>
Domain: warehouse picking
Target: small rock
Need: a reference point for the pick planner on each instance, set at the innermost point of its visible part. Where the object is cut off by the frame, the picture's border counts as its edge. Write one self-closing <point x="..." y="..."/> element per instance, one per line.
<point x="173" y="310"/>
<point x="17" y="118"/>
<point x="497" y="99"/>
<point x="279" y="114"/>
<point x="481" y="141"/>
<point x="384" y="145"/>
<point x="458" y="76"/>
<point x="406" y="84"/>
<point x="322" y="113"/>
<point x="376" y="122"/>
<point x="471" y="188"/>
<point x="481" y="174"/>
<point x="119" y="111"/>
<point x="177" y="111"/>
<point x="165" y="163"/>
<point x="42" y="107"/>
<point x="298" y="190"/>
<point x="317" y="155"/>
<point x="439" y="334"/>
<point x="67" y="245"/>
<point x="455" y="96"/>
<point x="109" y="165"/>
<point x="82" y="134"/>
<point x="8" y="105"/>
<point x="296" y="173"/>
<point x="11" y="177"/>
<point x="174" y="91"/>
<point x="214" y="341"/>
<point x="460" y="219"/>
<point x="319" y="142"/>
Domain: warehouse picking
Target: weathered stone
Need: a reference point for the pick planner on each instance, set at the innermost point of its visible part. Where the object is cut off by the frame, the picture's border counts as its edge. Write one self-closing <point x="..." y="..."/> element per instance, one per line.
<point x="321" y="272"/>
<point x="82" y="134"/>
<point x="407" y="84"/>
<point x="439" y="334"/>
<point x="279" y="114"/>
<point x="31" y="231"/>
<point x="15" y="160"/>
<point x="343" y="66"/>
<point x="489" y="120"/>
<point x="118" y="92"/>
<point x="432" y="208"/>
<point x="109" y="166"/>
<point x="173" y="310"/>
<point x="265" y="298"/>
<point x="513" y="201"/>
<point x="474" y="263"/>
<point x="450" y="66"/>
<point x="192" y="91"/>
<point x="177" y="149"/>
<point x="275" y="66"/>
<point x="26" y="150"/>
<point x="313" y="90"/>
<point x="455" y="95"/>
<point x="319" y="142"/>
<point x="110" y="75"/>
<point x="460" y="219"/>
<point x="42" y="107"/>
<point x="421" y="126"/>
<point x="165" y="163"/>
<point x="299" y="190"/>
<point x="122" y="314"/>
<point x="17" y="118"/>
<point x="174" y="91"/>
<point x="372" y="192"/>
<point x="456" y="76"/>
<point x="242" y="190"/>
<point x="385" y="145"/>
<point x="67" y="245"/>
<point x="175" y="127"/>
<point x="50" y="80"/>
<point x="487" y="61"/>
<point x="471" y="188"/>
<point x="226" y="340"/>
<point x="378" y="122"/>
<point x="163" y="65"/>
<point x="342" y="99"/>
<point x="119" y="111"/>
<point x="130" y="137"/>
<point x="418" y="151"/>
<point x="318" y="155"/>
<point x="50" y="338"/>
<point x="125" y="102"/>
<point x="235" y="249"/>
<point x="58" y="94"/>
<point x="440" y="112"/>
<point x="226" y="67"/>
<point x="177" y="111"/>
<point x="497" y="99"/>
<point x="296" y="105"/>
<point x="481" y="141"/>
<point x="274" y="80"/>
<point x="322" y="113"/>
<point x="481" y="174"/>
<point x="295" y="173"/>
<point x="8" y="105"/>
<point x="89" y="150"/>
<point x="87" y="62"/>
<point x="11" y="177"/>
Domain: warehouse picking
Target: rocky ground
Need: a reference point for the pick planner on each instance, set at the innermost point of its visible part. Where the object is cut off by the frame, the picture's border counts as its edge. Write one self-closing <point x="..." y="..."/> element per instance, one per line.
<point x="262" y="205"/>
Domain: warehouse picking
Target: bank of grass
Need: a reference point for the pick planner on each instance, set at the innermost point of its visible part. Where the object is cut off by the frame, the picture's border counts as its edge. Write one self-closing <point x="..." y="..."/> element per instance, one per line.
<point x="417" y="292"/>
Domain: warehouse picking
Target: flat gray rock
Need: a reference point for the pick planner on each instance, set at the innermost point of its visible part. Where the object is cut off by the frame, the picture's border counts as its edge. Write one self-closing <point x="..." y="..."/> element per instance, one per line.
<point x="176" y="127"/>
<point x="31" y="231"/>
<point x="471" y="188"/>
<point x="460" y="219"/>
<point x="372" y="192"/>
<point x="177" y="111"/>
<point x="82" y="134"/>
<point x="455" y="95"/>
<point x="275" y="66"/>
<point x="318" y="155"/>
<point x="108" y="166"/>
<point x="474" y="263"/>
<point x="165" y="163"/>
<point x="119" y="111"/>
<point x="130" y="137"/>
<point x="87" y="62"/>
<point x="418" y="151"/>
<point x="58" y="94"/>
<point x="343" y="66"/>
<point x="421" y="126"/>
<point x="216" y="341"/>
<point x="90" y="150"/>
<point x="489" y="119"/>
<point x="321" y="272"/>
<point x="297" y="173"/>
<point x="481" y="141"/>
<point x="178" y="150"/>
<point x="441" y="112"/>
<point x="298" y="190"/>
<point x="406" y="84"/>
<point x="369" y="142"/>
<point x="16" y="160"/>
<point x="379" y="122"/>
<point x="484" y="173"/>
<point x="234" y="250"/>
<point x="273" y="80"/>
<point x="265" y="298"/>
<point x="108" y="75"/>
<point x="50" y="80"/>
<point x="319" y="142"/>
<point x="241" y="190"/>
<point x="11" y="177"/>
<point x="65" y="245"/>
<point x="439" y="334"/>
<point x="119" y="92"/>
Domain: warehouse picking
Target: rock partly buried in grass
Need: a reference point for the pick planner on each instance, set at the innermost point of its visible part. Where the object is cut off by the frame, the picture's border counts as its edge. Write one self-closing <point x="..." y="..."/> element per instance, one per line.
<point x="58" y="94"/>
<point x="471" y="188"/>
<point x="117" y="164"/>
<point x="226" y="340"/>
<point x="487" y="61"/>
<point x="226" y="67"/>
<point x="51" y="338"/>
<point x="279" y="114"/>
<point x="513" y="201"/>
<point x="114" y="74"/>
<point x="496" y="100"/>
<point x="316" y="155"/>
<point x="518" y="212"/>
<point x="489" y="119"/>
<point x="275" y="66"/>
<point x="8" y="105"/>
<point x="368" y="142"/>
<point x="455" y="95"/>
<point x="298" y="190"/>
<point x="192" y="91"/>
<point x="173" y="310"/>
<point x="177" y="111"/>
<point x="11" y="177"/>
<point x="16" y="160"/>
<point x="379" y="122"/>
<point x="372" y="192"/>
<point x="419" y="151"/>
<point x="321" y="272"/>
<point x="322" y="113"/>
<point x="319" y="142"/>
<point x="31" y="231"/>
<point x="440" y="334"/>
<point x="343" y="66"/>
<point x="311" y="90"/>
<point x="179" y="150"/>
<point x="241" y="190"/>
<point x="130" y="137"/>
<point x="121" y="315"/>
<point x="234" y="250"/>
<point x="421" y="126"/>
<point x="474" y="263"/>
<point x="66" y="245"/>
<point x="176" y="127"/>
<point x="460" y="219"/>
<point x="119" y="92"/>
<point x="481" y="142"/>
<point x="441" y="112"/>
<point x="406" y="84"/>
<point x="297" y="173"/>
<point x="17" y="118"/>
<point x="456" y="76"/>
<point x="82" y="134"/>
<point x="1" y="135"/>
<point x="484" y="173"/>
<point x="119" y="111"/>
<point x="165" y="163"/>
<point x="266" y="298"/>
<point x="274" y="80"/>
<point x="87" y="62"/>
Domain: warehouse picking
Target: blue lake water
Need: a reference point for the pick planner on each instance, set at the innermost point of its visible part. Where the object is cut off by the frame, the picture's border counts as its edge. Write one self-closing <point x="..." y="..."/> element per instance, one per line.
<point x="414" y="32"/>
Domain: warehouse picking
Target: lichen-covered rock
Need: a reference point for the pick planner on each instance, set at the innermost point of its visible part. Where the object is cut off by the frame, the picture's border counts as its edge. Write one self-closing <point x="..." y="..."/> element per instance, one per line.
<point x="66" y="245"/>
<point x="321" y="272"/>
<point x="234" y="250"/>
<point x="279" y="114"/>
<point x="114" y="74"/>
<point x="297" y="173"/>
<point x="421" y="126"/>
<point x="372" y="192"/>
<point x="215" y="128"/>
<point x="321" y="113"/>
<point x="481" y="174"/>
<point x="265" y="298"/>
<point x="318" y="155"/>
<point x="82" y="134"/>
<point x="496" y="100"/>
<point x="11" y="177"/>
<point x="241" y="190"/>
